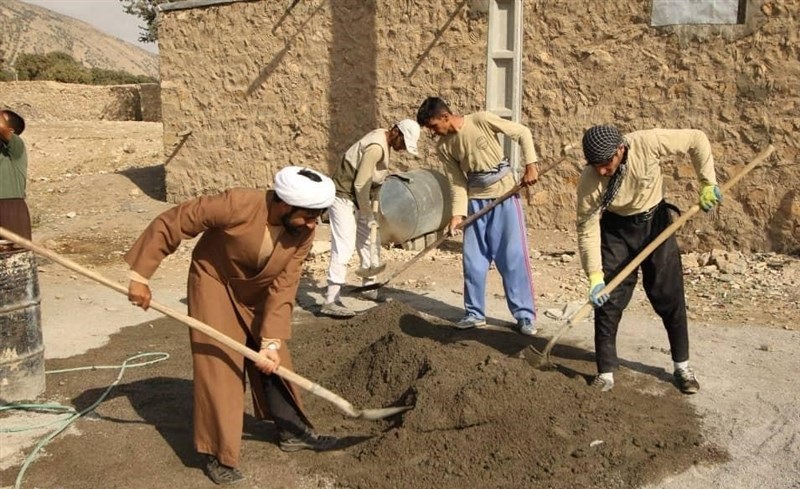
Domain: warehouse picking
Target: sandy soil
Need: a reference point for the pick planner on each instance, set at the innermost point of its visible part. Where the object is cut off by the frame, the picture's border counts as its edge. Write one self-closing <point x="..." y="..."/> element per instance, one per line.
<point x="512" y="425"/>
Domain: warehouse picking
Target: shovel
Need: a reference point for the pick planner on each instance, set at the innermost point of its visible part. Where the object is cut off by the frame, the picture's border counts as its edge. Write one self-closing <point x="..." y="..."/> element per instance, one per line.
<point x="376" y="266"/>
<point x="634" y="264"/>
<point x="466" y="222"/>
<point x="305" y="384"/>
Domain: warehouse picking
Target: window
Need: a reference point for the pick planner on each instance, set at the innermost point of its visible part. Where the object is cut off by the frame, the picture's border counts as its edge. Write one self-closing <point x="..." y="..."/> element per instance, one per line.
<point x="675" y="12"/>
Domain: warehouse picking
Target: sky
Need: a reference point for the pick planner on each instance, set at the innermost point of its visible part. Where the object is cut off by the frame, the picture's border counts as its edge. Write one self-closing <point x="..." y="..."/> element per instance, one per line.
<point x="105" y="15"/>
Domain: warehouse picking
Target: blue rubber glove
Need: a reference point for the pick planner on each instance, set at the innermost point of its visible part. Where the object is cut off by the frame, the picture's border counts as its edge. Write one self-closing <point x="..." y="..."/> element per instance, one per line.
<point x="596" y="284"/>
<point x="710" y="195"/>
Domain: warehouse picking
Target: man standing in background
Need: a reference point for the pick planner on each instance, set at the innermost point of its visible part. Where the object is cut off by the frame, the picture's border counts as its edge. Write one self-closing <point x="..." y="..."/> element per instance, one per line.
<point x="14" y="214"/>
<point x="366" y="163"/>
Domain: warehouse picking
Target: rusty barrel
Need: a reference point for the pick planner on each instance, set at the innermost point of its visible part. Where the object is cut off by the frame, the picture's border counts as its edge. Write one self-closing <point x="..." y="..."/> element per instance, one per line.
<point x="21" y="346"/>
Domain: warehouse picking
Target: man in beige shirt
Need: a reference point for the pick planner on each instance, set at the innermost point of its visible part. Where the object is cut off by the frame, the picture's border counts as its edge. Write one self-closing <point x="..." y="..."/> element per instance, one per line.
<point x="621" y="209"/>
<point x="479" y="173"/>
<point x="364" y="165"/>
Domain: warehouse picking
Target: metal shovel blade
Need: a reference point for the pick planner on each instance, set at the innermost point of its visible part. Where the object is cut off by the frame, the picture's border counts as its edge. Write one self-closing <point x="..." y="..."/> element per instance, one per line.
<point x="366" y="288"/>
<point x="371" y="271"/>
<point x="376" y="414"/>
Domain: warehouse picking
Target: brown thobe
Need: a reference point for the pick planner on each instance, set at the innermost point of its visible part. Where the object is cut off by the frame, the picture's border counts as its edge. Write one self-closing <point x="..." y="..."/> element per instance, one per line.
<point x="228" y="291"/>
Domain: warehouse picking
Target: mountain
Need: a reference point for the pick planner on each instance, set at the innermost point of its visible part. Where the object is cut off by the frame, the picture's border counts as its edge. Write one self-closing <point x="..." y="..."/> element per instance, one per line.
<point x="26" y="28"/>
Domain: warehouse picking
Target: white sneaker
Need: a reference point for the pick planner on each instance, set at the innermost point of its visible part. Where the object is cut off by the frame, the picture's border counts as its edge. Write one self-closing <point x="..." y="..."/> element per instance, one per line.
<point x="603" y="384"/>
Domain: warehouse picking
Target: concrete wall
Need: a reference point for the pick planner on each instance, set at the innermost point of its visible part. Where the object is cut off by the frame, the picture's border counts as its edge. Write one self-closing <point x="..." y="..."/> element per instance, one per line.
<point x="263" y="84"/>
<point x="46" y="100"/>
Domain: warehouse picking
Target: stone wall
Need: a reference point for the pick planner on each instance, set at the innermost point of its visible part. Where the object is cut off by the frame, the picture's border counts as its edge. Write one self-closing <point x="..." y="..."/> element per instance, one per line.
<point x="262" y="84"/>
<point x="53" y="101"/>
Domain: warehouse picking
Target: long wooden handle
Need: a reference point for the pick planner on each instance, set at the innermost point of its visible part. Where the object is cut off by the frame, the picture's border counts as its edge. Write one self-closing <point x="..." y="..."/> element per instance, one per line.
<point x="374" y="260"/>
<point x="663" y="236"/>
<point x="302" y="382"/>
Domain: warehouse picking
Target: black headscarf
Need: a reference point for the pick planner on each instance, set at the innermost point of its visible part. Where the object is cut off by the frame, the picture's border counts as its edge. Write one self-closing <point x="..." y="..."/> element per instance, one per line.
<point x="600" y="143"/>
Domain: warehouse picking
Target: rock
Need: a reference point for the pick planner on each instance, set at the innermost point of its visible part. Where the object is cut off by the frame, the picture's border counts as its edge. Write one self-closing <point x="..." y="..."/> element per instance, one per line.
<point x="70" y="215"/>
<point x="84" y="297"/>
<point x="135" y="192"/>
<point x="728" y="261"/>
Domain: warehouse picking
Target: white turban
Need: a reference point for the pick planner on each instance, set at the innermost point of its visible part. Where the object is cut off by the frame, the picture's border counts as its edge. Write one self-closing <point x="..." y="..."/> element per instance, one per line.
<point x="304" y="187"/>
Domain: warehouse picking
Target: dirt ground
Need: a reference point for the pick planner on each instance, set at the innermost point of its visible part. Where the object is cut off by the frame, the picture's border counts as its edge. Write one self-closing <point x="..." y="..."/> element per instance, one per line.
<point x="483" y="415"/>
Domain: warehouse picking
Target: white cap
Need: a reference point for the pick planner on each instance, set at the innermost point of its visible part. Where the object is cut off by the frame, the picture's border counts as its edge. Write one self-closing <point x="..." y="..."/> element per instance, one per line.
<point x="411" y="131"/>
<point x="304" y="187"/>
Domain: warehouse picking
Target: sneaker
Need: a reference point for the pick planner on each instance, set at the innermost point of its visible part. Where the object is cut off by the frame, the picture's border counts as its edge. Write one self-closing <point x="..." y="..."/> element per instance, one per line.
<point x="470" y="322"/>
<point x="686" y="380"/>
<point x="525" y="326"/>
<point x="336" y="310"/>
<point x="602" y="383"/>
<point x="222" y="474"/>
<point x="372" y="295"/>
<point x="307" y="441"/>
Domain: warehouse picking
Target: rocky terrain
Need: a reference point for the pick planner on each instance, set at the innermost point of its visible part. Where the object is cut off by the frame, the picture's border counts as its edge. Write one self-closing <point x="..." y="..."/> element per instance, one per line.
<point x="33" y="29"/>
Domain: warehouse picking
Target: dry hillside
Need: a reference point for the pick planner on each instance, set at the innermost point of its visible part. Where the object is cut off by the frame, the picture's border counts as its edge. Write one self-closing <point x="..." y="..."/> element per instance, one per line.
<point x="32" y="29"/>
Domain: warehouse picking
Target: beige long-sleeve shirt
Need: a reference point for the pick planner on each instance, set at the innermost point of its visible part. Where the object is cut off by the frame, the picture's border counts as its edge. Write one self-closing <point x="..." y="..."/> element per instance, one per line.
<point x="475" y="148"/>
<point x="642" y="187"/>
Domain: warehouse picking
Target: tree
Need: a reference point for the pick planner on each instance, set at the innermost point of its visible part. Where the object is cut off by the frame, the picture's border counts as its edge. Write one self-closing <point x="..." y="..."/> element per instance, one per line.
<point x="61" y="67"/>
<point x="147" y="11"/>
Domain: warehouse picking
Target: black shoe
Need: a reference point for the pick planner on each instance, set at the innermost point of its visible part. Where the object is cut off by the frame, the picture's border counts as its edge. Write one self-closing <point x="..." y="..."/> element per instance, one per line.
<point x="307" y="441"/>
<point x="222" y="474"/>
<point x="686" y="380"/>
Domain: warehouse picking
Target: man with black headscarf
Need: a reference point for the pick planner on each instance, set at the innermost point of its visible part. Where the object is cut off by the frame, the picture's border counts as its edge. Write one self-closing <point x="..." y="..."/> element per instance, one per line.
<point x="621" y="209"/>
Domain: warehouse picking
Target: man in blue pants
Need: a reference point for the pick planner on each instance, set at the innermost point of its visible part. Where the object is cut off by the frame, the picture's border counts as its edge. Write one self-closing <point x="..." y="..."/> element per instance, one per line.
<point x="479" y="173"/>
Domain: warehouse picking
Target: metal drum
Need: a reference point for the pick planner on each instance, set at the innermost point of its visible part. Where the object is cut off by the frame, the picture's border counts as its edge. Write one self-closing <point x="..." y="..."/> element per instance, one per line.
<point x="21" y="346"/>
<point x="409" y="209"/>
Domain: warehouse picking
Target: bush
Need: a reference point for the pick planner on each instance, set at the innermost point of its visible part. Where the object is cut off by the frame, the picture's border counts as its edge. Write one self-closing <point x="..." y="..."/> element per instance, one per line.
<point x="61" y="67"/>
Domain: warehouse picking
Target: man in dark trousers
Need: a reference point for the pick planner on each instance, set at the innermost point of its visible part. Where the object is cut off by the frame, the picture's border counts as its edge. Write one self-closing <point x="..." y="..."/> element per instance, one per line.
<point x="14" y="214"/>
<point x="621" y="209"/>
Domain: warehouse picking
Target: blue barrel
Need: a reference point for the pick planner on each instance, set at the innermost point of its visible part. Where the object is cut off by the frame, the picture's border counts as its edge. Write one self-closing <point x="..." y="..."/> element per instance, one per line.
<point x="414" y="206"/>
<point x="21" y="345"/>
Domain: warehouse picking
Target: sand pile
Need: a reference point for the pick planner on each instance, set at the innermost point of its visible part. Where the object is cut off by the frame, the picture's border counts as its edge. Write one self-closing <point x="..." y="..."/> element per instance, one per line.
<point x="485" y="417"/>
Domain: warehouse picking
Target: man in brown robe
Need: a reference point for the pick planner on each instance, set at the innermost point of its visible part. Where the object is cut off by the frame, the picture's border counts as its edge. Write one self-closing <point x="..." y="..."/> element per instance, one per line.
<point x="243" y="279"/>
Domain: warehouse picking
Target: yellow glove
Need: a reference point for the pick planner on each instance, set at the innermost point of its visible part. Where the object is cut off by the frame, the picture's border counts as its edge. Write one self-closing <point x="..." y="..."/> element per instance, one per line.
<point x="710" y="195"/>
<point x="596" y="284"/>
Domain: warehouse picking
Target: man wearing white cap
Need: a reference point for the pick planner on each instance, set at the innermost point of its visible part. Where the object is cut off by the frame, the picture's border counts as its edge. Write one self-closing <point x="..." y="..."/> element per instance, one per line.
<point x="243" y="279"/>
<point x="366" y="163"/>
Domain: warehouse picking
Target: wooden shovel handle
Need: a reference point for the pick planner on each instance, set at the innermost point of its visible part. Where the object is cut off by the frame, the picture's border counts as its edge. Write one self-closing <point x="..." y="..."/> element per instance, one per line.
<point x="634" y="264"/>
<point x="302" y="382"/>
